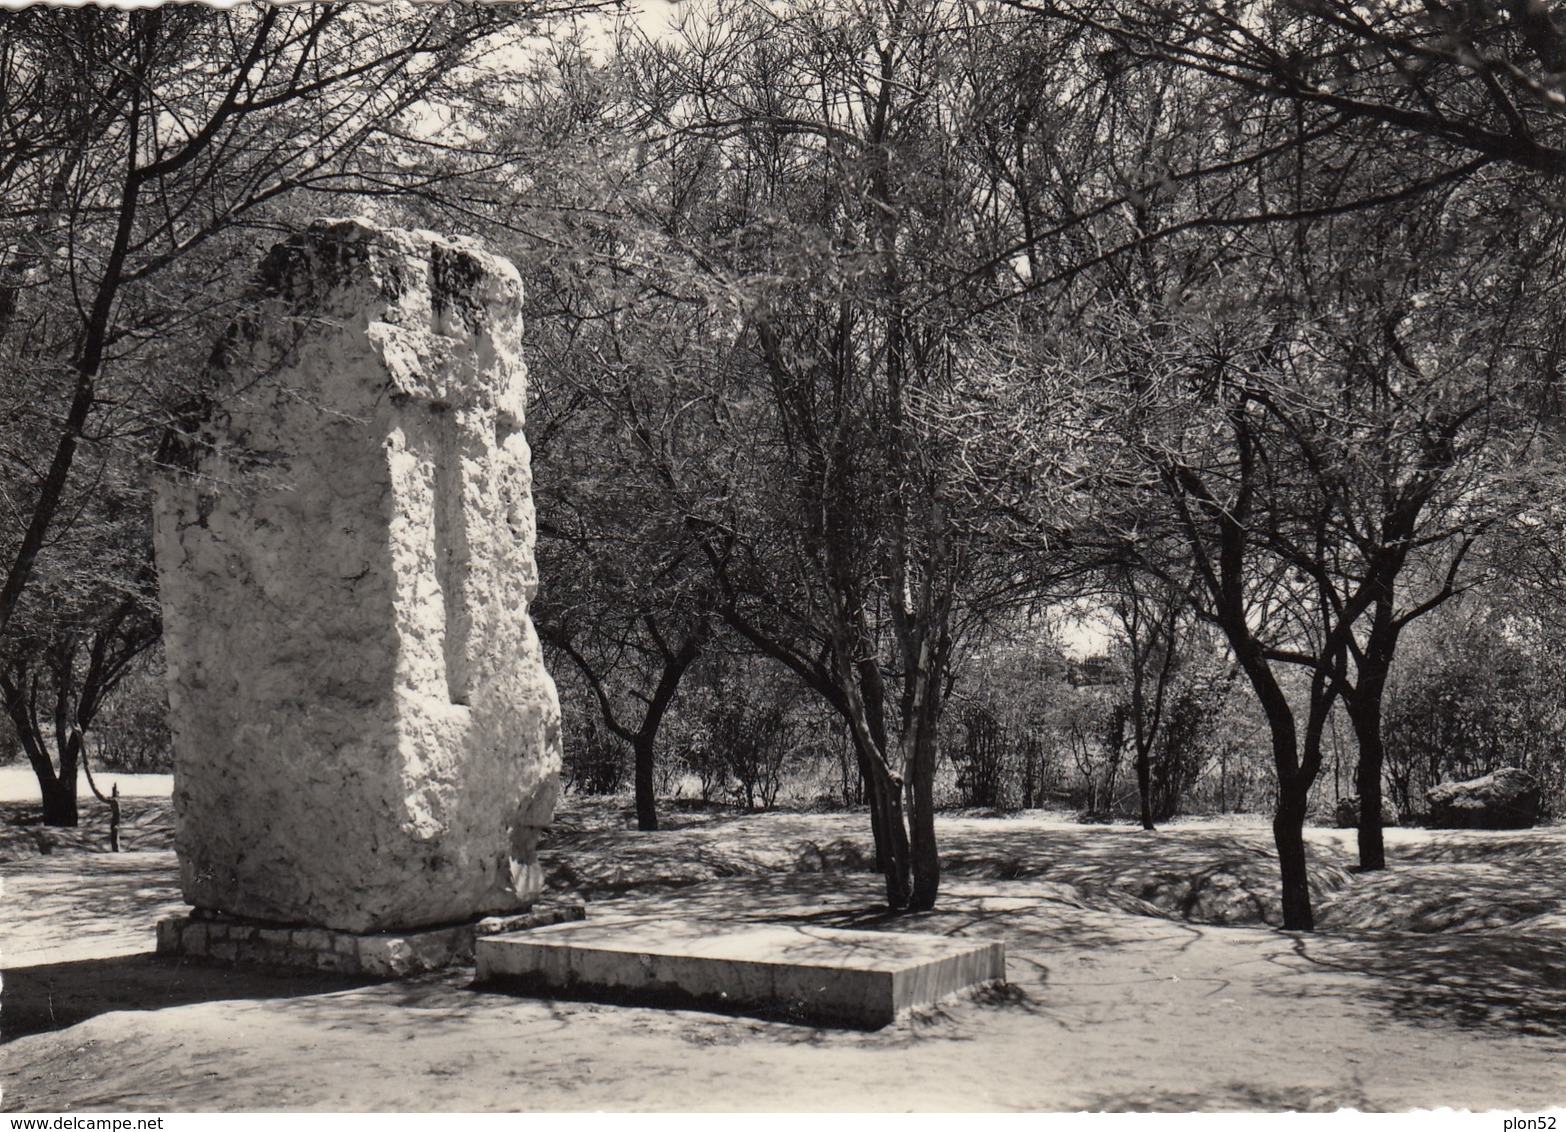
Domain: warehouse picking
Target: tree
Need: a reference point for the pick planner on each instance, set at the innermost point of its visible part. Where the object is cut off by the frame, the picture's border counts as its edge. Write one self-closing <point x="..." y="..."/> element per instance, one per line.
<point x="1152" y="622"/>
<point x="1224" y="486"/>
<point x="1442" y="333"/>
<point x="840" y="204"/>
<point x="620" y="422"/>
<point x="1332" y="471"/>
<point x="1482" y="691"/>
<point x="143" y="152"/>
<point x="667" y="666"/>
<point x="1482" y="78"/>
<point x="1258" y="417"/>
<point x="626" y="597"/>
<point x="90" y="612"/>
<point x="1476" y="85"/>
<point x="1169" y="437"/>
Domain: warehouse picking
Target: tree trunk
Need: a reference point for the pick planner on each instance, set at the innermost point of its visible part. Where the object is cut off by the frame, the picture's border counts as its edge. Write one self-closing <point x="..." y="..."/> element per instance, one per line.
<point x="921" y="819"/>
<point x="878" y="834"/>
<point x="1288" y="826"/>
<point x="59" y="797"/>
<point x="893" y="853"/>
<point x="644" y="740"/>
<point x="644" y="743"/>
<point x="1288" y="833"/>
<point x="1296" y="770"/>
<point x="1363" y="699"/>
<point x="1365" y="714"/>
<point x="1144" y="785"/>
<point x="646" y="797"/>
<point x="58" y="791"/>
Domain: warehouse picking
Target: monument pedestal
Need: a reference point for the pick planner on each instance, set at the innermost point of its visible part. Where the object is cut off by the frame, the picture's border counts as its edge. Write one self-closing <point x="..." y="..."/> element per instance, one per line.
<point x="240" y="942"/>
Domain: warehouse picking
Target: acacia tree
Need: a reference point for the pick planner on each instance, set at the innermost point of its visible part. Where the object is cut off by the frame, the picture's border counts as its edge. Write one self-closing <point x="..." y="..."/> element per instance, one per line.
<point x="822" y="166"/>
<point x="1482" y="78"/>
<point x="1228" y="394"/>
<point x="143" y="152"/>
<point x="860" y="554"/>
<point x="91" y="610"/>
<point x="1170" y="439"/>
<point x="1150" y="618"/>
<point x="1432" y="348"/>
<point x="625" y="597"/>
<point x="623" y="335"/>
<point x="1232" y="495"/>
<point x="1330" y="471"/>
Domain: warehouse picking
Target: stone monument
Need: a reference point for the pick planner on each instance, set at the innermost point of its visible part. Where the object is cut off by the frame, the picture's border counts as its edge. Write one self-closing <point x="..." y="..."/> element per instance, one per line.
<point x="366" y="740"/>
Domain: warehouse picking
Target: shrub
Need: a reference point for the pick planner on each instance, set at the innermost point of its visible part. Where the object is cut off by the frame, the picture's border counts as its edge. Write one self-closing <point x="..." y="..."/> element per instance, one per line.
<point x="131" y="731"/>
<point x="748" y="723"/>
<point x="1471" y="694"/>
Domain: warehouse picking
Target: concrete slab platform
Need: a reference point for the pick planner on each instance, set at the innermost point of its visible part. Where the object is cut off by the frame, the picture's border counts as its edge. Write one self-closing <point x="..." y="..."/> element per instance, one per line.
<point x="789" y="972"/>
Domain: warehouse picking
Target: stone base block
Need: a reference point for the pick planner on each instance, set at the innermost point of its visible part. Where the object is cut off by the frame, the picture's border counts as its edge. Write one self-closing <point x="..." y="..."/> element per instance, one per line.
<point x="799" y="974"/>
<point x="238" y="942"/>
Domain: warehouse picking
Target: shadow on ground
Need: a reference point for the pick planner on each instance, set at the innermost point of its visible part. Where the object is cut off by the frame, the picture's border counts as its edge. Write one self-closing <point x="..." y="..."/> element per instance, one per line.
<point x="52" y="996"/>
<point x="78" y="896"/>
<point x="1202" y="876"/>
<point x="1487" y="982"/>
<point x="145" y="823"/>
<point x="1464" y="930"/>
<point x="1449" y="891"/>
<point x="1236" y="1097"/>
<point x="1117" y="1013"/>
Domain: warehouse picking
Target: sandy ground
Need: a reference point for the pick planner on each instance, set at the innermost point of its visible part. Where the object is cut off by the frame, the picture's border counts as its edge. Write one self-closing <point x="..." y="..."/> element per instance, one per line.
<point x="17" y="784"/>
<point x="1141" y="976"/>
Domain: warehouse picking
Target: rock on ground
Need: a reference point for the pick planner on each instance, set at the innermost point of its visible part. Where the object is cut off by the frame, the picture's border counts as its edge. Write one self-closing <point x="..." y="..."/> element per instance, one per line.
<point x="1346" y="812"/>
<point x="1507" y="798"/>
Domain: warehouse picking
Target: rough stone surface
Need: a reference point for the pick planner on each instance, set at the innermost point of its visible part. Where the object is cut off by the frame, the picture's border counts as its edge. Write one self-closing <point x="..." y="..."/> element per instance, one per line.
<point x="790" y="972"/>
<point x="232" y="942"/>
<point x="365" y="737"/>
<point x="1346" y="812"/>
<point x="1507" y="798"/>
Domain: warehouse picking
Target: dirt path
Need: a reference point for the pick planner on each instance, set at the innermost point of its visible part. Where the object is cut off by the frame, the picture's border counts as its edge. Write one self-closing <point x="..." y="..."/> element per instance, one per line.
<point x="1107" y="1008"/>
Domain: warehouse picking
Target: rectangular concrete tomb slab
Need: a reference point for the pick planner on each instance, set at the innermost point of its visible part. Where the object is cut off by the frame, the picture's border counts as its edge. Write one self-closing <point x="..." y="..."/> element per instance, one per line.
<point x="797" y="973"/>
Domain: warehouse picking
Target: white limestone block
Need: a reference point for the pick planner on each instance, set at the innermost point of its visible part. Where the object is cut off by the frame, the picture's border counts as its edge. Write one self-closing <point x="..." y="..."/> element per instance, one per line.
<point x="365" y="735"/>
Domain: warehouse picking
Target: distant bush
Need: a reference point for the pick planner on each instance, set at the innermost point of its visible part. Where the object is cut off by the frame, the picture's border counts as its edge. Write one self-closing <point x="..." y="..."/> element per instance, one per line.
<point x="1191" y="734"/>
<point x="1470" y="694"/>
<point x="1002" y="721"/>
<point x="986" y="757"/>
<point x="131" y="731"/>
<point x="1029" y="726"/>
<point x="594" y="761"/>
<point x="745" y="714"/>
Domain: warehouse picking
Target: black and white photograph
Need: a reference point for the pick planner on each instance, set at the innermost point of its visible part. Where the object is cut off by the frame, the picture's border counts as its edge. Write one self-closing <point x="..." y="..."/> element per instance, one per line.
<point x="783" y="556"/>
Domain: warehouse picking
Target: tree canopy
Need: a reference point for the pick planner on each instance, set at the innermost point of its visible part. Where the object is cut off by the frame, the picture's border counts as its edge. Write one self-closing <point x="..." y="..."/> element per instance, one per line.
<point x="868" y="338"/>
